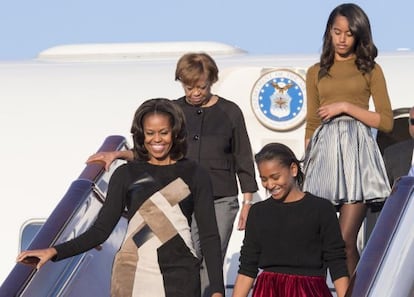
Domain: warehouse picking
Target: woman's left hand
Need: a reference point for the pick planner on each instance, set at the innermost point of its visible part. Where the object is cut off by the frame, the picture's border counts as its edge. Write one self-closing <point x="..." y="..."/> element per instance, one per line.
<point x="36" y="258"/>
<point x="327" y="112"/>
<point x="243" y="217"/>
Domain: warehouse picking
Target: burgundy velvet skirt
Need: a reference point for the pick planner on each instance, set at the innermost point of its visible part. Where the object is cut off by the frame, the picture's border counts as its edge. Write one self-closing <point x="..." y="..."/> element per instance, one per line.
<point x="271" y="284"/>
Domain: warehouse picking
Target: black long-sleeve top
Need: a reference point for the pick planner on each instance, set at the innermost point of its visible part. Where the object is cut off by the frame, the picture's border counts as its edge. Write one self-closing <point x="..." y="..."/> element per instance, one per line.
<point x="218" y="140"/>
<point x="119" y="197"/>
<point x="300" y="238"/>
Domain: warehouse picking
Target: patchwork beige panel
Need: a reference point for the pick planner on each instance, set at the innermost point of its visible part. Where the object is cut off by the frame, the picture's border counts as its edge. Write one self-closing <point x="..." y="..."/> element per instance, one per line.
<point x="154" y="213"/>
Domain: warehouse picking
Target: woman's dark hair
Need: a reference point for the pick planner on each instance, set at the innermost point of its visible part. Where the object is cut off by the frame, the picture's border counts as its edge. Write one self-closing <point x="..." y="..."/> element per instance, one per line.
<point x="364" y="47"/>
<point x="177" y="121"/>
<point x="281" y="153"/>
<point x="192" y="66"/>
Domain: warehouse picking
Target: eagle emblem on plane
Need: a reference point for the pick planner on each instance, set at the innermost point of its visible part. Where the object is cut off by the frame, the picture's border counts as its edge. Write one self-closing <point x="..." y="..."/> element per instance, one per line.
<point x="278" y="99"/>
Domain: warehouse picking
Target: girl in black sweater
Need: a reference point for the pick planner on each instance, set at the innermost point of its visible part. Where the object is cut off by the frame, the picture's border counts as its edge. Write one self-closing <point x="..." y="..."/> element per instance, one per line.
<point x="292" y="237"/>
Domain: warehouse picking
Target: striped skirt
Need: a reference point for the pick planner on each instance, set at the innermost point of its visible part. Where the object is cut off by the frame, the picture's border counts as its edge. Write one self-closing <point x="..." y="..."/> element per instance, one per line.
<point x="271" y="284"/>
<point x="344" y="164"/>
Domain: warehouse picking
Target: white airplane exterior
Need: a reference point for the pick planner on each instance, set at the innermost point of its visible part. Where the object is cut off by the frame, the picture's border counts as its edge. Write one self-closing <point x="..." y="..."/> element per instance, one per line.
<point x="58" y="109"/>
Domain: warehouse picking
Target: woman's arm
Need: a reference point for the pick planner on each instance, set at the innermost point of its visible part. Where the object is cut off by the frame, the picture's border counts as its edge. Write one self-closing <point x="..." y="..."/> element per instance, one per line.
<point x="242" y="153"/>
<point x="246" y="204"/>
<point x="205" y="216"/>
<point x="36" y="257"/>
<point x="381" y="118"/>
<point x="242" y="286"/>
<point x="249" y="256"/>
<point x="333" y="247"/>
<point x="341" y="285"/>
<point x="312" y="101"/>
<point x="369" y="118"/>
<point x="108" y="157"/>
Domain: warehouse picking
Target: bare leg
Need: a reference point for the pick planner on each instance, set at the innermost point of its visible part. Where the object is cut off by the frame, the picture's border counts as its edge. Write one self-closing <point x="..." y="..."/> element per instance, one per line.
<point x="351" y="217"/>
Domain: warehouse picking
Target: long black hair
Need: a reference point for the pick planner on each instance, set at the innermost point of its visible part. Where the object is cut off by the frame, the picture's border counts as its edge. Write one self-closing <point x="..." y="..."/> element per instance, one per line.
<point x="364" y="47"/>
<point x="177" y="122"/>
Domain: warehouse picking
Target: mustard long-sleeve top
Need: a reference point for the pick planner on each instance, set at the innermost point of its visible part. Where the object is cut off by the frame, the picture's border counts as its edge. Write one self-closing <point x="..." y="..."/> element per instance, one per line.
<point x="347" y="83"/>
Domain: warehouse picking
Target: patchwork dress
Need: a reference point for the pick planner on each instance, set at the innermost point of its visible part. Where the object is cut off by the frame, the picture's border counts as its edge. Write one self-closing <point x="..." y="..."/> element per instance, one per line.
<point x="157" y="256"/>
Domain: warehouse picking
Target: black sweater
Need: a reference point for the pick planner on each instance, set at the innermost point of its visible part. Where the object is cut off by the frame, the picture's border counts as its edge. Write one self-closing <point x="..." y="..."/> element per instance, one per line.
<point x="300" y="238"/>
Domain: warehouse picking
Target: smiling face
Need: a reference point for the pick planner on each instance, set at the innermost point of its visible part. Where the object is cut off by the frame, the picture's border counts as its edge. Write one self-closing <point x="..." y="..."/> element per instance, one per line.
<point x="343" y="40"/>
<point x="279" y="180"/>
<point x="158" y="138"/>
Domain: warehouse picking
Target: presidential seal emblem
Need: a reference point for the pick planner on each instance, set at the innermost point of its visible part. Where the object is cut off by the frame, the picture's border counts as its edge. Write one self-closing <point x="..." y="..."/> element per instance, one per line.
<point x="278" y="99"/>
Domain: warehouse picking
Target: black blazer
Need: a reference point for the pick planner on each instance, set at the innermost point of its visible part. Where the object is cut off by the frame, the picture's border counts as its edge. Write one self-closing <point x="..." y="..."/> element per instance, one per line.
<point x="218" y="141"/>
<point x="397" y="159"/>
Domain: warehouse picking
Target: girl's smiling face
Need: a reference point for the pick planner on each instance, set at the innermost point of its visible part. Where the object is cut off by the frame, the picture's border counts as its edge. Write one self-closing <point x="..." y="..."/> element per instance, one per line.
<point x="279" y="180"/>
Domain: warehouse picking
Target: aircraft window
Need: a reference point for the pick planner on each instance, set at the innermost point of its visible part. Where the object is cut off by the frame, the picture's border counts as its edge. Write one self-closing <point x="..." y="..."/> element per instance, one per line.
<point x="102" y="183"/>
<point x="28" y="232"/>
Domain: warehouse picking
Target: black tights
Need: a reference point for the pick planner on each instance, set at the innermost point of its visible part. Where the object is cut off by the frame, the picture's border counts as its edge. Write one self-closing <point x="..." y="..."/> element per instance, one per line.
<point x="351" y="217"/>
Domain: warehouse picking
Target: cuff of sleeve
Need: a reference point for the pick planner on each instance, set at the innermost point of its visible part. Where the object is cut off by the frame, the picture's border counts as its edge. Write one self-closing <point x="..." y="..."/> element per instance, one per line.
<point x="249" y="202"/>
